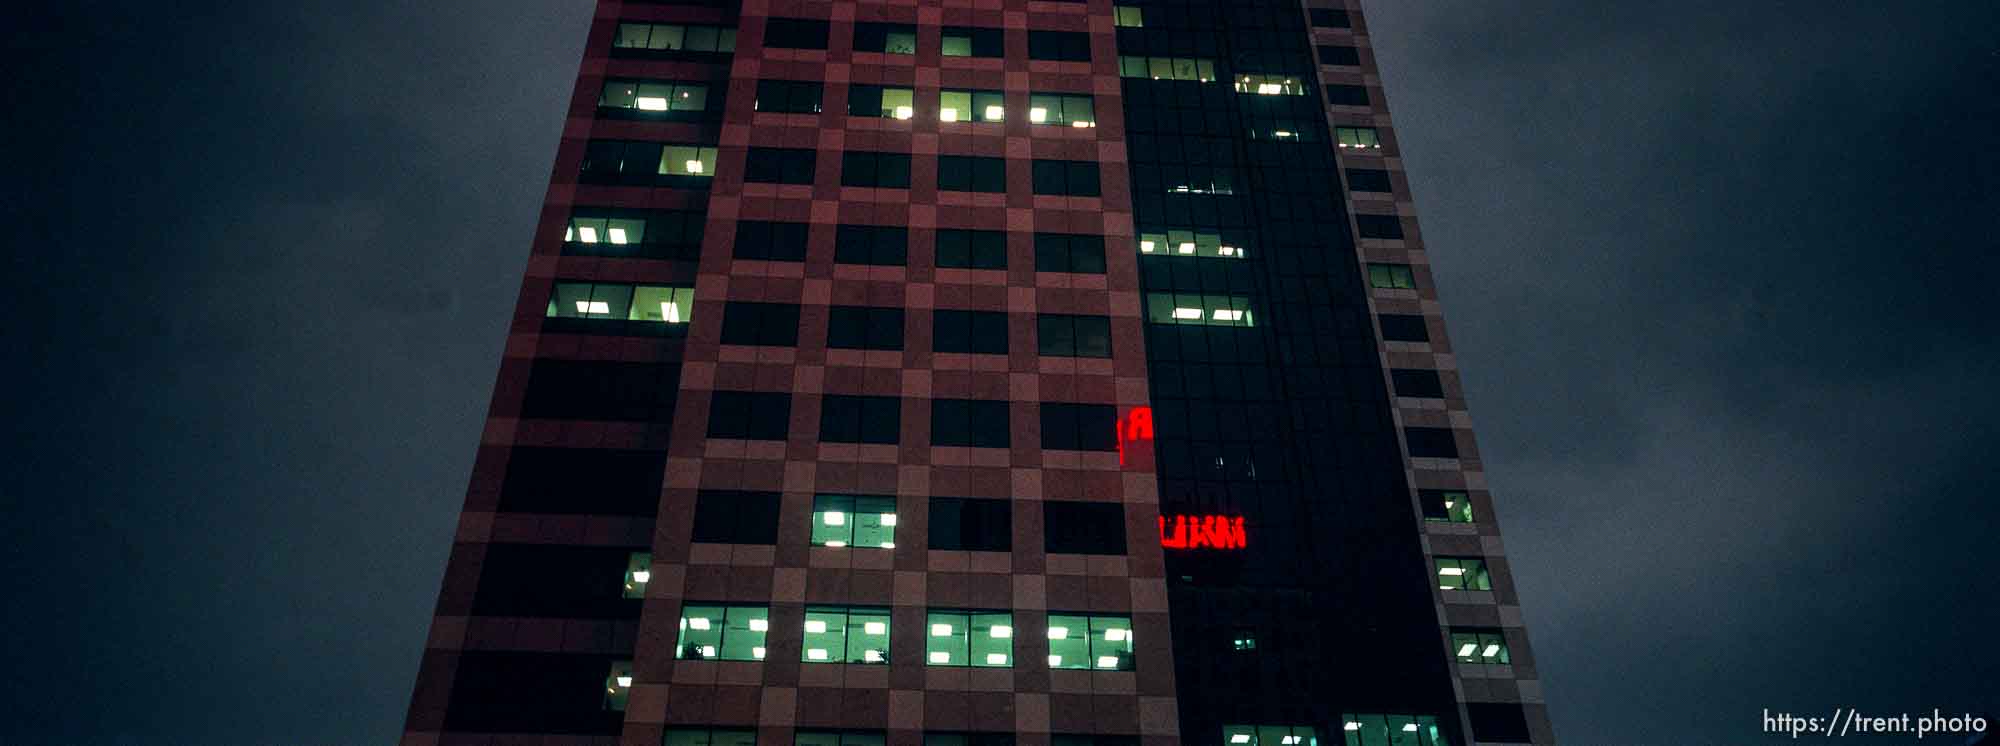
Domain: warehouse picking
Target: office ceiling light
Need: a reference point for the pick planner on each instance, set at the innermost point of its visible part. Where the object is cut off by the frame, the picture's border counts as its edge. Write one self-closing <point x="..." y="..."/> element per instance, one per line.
<point x="996" y="659"/>
<point x="1465" y="651"/>
<point x="1409" y="727"/>
<point x="836" y="544"/>
<point x="948" y="114"/>
<point x="1187" y="313"/>
<point x="1055" y="660"/>
<point x="1114" y="635"/>
<point x="700" y="623"/>
<point x="940" y="630"/>
<point x="625" y="682"/>
<point x="589" y="234"/>
<point x="815" y="626"/>
<point x="995" y="113"/>
<point x="760" y="625"/>
<point x="1001" y="631"/>
<point x="875" y="628"/>
<point x="904" y="112"/>
<point x="888" y="519"/>
<point x="617" y="235"/>
<point x="835" y="518"/>
<point x="652" y="103"/>
<point x="641" y="576"/>
<point x="757" y="653"/>
<point x="940" y="656"/>
<point x="1107" y="661"/>
<point x="1038" y="115"/>
<point x="816" y="654"/>
<point x="1451" y="571"/>
<point x="1058" y="633"/>
<point x="1491" y="650"/>
<point x="871" y="656"/>
<point x="1240" y="738"/>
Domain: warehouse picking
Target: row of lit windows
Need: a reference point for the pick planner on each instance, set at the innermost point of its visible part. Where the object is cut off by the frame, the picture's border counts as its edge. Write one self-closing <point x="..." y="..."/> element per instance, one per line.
<point x="856" y="635"/>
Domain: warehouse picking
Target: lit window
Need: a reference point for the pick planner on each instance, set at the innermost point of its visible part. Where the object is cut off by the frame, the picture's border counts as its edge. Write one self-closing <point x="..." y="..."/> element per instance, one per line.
<point x="638" y="572"/>
<point x="1275" y="735"/>
<point x="963" y="638"/>
<point x="1102" y="643"/>
<point x="653" y="96"/>
<point x="1189" y="243"/>
<point x="1063" y="110"/>
<point x="1167" y="68"/>
<point x="881" y="101"/>
<point x="605" y="301"/>
<point x="1243" y="642"/>
<point x="687" y="160"/>
<point x="854" y="521"/>
<point x="1384" y="730"/>
<point x="664" y="37"/>
<point x="843" y="635"/>
<point x="709" y="737"/>
<point x="1358" y="138"/>
<point x="618" y="686"/>
<point x="971" y="106"/>
<point x="1439" y="505"/>
<point x="1127" y="16"/>
<point x="1479" y="646"/>
<point x="1463" y="574"/>
<point x="1269" y="85"/>
<point x="1200" y="310"/>
<point x="1391" y="276"/>
<point x="733" y="633"/>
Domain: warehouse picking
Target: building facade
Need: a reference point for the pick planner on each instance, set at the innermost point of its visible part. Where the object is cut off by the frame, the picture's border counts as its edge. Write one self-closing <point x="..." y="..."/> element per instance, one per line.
<point x="1002" y="372"/>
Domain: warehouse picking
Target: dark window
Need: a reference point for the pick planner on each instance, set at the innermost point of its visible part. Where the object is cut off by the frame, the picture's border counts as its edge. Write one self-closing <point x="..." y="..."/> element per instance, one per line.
<point x="1497" y="721"/>
<point x="620" y="162"/>
<point x="859" y="168"/>
<point x="971" y="249"/>
<point x="1074" y="178"/>
<point x="971" y="173"/>
<point x="864" y="328"/>
<point x="1083" y="528"/>
<point x="888" y="38"/>
<point x="1430" y="442"/>
<point x="1379" y="226"/>
<point x="769" y="241"/>
<point x="567" y="698"/>
<point x="1333" y="55"/>
<point x="769" y="324"/>
<point x="1079" y="427"/>
<point x="969" y="422"/>
<point x="1066" y="46"/>
<point x="871" y="244"/>
<point x="795" y="33"/>
<point x="788" y="96"/>
<point x="1328" y="17"/>
<point x="749" y="415"/>
<point x="1073" y="336"/>
<point x="965" y="41"/>
<point x="1346" y="95"/>
<point x="860" y="419"/>
<point x="978" y="332"/>
<point x="736" y="517"/>
<point x="969" y="524"/>
<point x="582" y="480"/>
<point x="1367" y="180"/>
<point x="937" y="738"/>
<point x="1068" y="252"/>
<point x="1419" y="383"/>
<point x="652" y="234"/>
<point x="779" y="165"/>
<point x="554" y="580"/>
<point x="601" y="390"/>
<point x="1398" y="327"/>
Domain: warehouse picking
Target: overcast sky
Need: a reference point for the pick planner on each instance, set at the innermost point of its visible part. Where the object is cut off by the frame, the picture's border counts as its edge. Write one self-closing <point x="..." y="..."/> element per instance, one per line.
<point x="1718" y="274"/>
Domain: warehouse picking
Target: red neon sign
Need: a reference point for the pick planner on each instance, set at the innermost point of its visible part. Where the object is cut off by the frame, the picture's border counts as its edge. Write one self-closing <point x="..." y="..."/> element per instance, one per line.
<point x="1135" y="426"/>
<point x="1202" y="532"/>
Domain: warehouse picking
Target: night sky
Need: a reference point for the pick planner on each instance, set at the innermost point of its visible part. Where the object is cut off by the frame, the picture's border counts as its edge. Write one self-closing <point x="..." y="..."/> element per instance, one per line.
<point x="1719" y="275"/>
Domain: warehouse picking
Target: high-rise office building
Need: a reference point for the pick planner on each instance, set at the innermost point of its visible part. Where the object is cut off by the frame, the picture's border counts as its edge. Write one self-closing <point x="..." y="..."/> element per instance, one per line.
<point x="978" y="373"/>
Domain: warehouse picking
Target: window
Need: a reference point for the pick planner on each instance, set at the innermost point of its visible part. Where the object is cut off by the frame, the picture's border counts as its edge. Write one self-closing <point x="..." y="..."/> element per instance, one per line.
<point x="652" y="97"/>
<point x="971" y="524"/>
<point x="1177" y="242"/>
<point x="1083" y="528"/>
<point x="881" y="101"/>
<point x="1358" y="138"/>
<point x="788" y="96"/>
<point x="1497" y="721"/>
<point x="652" y="234"/>
<point x="1443" y="505"/>
<point x="1392" y="730"/>
<point x="736" y="517"/>
<point x="1391" y="276"/>
<point x="969" y="638"/>
<point x="887" y="38"/>
<point x="860" y="419"/>
<point x="972" y="173"/>
<point x="568" y="695"/>
<point x="779" y="165"/>
<point x="971" y="106"/>
<point x="1387" y="227"/>
<point x="610" y="302"/>
<point x="618" y="686"/>
<point x="1479" y="646"/>
<point x="1062" y="335"/>
<point x="638" y="572"/>
<point x="1167" y="68"/>
<point x="860" y="521"/>
<point x="771" y="241"/>
<point x="1430" y="442"/>
<point x="749" y="415"/>
<point x="668" y="37"/>
<point x="1188" y="179"/>
<point x="1073" y="178"/>
<point x="710" y="737"/>
<point x="620" y="162"/>
<point x="729" y="633"/>
<point x="1060" y="109"/>
<point x="764" y="324"/>
<point x="971" y="423"/>
<point x="554" y="581"/>
<point x="836" y="738"/>
<point x="1346" y="95"/>
<point x="1100" y="642"/>
<point x="584" y="480"/>
<point x="845" y="635"/>
<point x="1273" y="735"/>
<point x="1462" y="574"/>
<point x="795" y="33"/>
<point x="1126" y="16"/>
<point x="1337" y="55"/>
<point x="1368" y="180"/>
<point x="1201" y="310"/>
<point x="965" y="249"/>
<point x="1269" y="85"/>
<point x="1243" y="641"/>
<point x="968" y="739"/>
<point x="1285" y="130"/>
<point x="1079" y="427"/>
<point x="962" y="41"/>
<point x="601" y="390"/>
<point x="871" y="244"/>
<point x="1397" y="327"/>
<point x="864" y="328"/>
<point x="860" y="168"/>
<point x="975" y="332"/>
<point x="1417" y="383"/>
<point x="1069" y="252"/>
<point x="1063" y="46"/>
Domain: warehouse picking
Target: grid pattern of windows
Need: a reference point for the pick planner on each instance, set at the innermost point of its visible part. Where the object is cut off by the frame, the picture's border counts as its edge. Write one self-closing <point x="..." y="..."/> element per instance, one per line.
<point x="1062" y="109"/>
<point x="1462" y="574"/>
<point x="871" y="244"/>
<point x="1069" y="252"/>
<point x="1167" y="68"/>
<point x="1073" y="178"/>
<point x="736" y="517"/>
<point x="860" y="168"/>
<point x="845" y="635"/>
<point x="653" y="96"/>
<point x="971" y="524"/>
<point x="970" y="423"/>
<point x="888" y="102"/>
<point x="966" y="41"/>
<point x="729" y="633"/>
<point x="671" y="37"/>
<point x="974" y="332"/>
<point x="652" y="234"/>
<point x="970" y="249"/>
<point x="767" y="324"/>
<point x="1201" y="310"/>
<point x="1391" y="730"/>
<point x="749" y="415"/>
<point x="860" y="521"/>
<point x="771" y="241"/>
<point x="1062" y="335"/>
<point x="1486" y="646"/>
<point x="972" y="173"/>
<point x="860" y="419"/>
<point x="1096" y="642"/>
<point x="1391" y="277"/>
<point x="969" y="638"/>
<point x="864" y="328"/>
<point x="788" y="96"/>
<point x="971" y="106"/>
<point x="1445" y="505"/>
<point x="779" y="165"/>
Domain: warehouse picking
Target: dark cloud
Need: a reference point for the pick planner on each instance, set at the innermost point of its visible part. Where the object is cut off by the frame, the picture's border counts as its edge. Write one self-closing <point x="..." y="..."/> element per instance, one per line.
<point x="1717" y="273"/>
